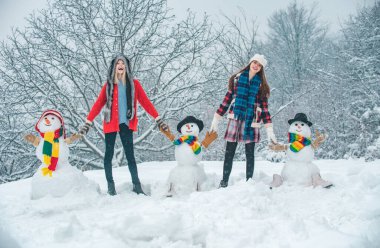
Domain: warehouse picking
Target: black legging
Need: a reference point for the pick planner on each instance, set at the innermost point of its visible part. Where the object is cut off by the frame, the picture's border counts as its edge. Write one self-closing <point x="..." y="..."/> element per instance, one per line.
<point x="126" y="136"/>
<point x="229" y="156"/>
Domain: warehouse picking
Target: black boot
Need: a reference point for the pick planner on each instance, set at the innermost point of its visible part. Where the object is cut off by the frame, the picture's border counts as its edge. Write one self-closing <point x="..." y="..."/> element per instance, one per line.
<point x="250" y="156"/>
<point x="111" y="188"/>
<point x="223" y="184"/>
<point x="137" y="189"/>
<point x="227" y="165"/>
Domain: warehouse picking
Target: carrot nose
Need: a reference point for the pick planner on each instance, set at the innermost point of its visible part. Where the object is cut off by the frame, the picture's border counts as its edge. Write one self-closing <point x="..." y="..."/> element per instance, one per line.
<point x="47" y="121"/>
<point x="188" y="126"/>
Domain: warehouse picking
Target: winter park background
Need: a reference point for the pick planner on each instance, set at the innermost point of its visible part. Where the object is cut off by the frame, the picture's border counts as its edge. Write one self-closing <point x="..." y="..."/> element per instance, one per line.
<point x="59" y="60"/>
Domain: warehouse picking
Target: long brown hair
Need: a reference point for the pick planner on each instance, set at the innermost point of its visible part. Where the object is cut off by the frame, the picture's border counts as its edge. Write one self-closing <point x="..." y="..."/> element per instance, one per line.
<point x="264" y="90"/>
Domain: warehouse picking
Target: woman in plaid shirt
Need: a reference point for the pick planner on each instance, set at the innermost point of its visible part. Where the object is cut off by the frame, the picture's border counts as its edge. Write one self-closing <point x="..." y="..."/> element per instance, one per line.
<point x="247" y="104"/>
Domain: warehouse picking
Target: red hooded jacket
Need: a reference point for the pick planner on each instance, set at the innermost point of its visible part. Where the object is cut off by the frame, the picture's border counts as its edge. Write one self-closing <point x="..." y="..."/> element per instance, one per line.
<point x="113" y="125"/>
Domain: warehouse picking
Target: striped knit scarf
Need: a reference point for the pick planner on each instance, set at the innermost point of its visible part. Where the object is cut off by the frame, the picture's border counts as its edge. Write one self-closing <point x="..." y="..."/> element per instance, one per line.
<point x="191" y="141"/>
<point x="245" y="100"/>
<point x="298" y="142"/>
<point x="50" y="150"/>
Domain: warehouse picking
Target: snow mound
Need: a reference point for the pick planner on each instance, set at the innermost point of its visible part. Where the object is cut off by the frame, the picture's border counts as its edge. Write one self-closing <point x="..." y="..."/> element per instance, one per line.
<point x="245" y="214"/>
<point x="64" y="180"/>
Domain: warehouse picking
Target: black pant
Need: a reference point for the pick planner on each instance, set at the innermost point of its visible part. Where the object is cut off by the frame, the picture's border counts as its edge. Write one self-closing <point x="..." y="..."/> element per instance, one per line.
<point x="229" y="156"/>
<point x="126" y="136"/>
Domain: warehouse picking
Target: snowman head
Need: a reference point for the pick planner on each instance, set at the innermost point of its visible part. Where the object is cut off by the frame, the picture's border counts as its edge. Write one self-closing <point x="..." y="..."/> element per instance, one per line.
<point x="50" y="121"/>
<point x="190" y="126"/>
<point x="301" y="128"/>
<point x="300" y="125"/>
<point x="190" y="129"/>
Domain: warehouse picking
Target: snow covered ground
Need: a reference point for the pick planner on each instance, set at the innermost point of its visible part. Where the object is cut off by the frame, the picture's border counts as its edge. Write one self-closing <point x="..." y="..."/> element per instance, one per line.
<point x="246" y="214"/>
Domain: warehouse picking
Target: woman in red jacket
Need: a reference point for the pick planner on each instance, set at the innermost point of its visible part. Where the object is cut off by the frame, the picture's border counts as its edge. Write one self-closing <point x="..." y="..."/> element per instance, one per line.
<point x="119" y="97"/>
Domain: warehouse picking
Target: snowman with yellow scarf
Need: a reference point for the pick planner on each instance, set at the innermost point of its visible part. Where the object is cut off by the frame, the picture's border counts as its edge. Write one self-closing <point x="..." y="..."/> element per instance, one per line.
<point x="55" y="176"/>
<point x="299" y="167"/>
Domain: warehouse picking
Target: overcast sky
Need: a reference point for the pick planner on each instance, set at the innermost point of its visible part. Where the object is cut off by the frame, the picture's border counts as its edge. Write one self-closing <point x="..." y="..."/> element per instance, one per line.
<point x="13" y="12"/>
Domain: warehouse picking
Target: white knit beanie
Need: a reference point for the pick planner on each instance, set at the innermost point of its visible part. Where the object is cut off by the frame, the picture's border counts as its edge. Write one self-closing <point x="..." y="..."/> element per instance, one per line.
<point x="259" y="58"/>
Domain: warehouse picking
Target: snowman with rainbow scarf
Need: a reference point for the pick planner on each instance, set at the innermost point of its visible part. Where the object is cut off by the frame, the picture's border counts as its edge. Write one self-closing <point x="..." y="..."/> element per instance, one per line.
<point x="189" y="175"/>
<point x="55" y="177"/>
<point x="299" y="167"/>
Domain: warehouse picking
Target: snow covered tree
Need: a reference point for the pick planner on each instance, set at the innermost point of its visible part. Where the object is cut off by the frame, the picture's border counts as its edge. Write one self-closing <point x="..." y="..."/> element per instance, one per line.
<point x="296" y="38"/>
<point x="60" y="61"/>
<point x="301" y="61"/>
<point x="360" y="53"/>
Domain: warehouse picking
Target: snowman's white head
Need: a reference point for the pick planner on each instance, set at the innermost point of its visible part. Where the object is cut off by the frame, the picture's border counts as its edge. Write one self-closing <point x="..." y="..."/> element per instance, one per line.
<point x="301" y="128"/>
<point x="190" y="129"/>
<point x="190" y="126"/>
<point x="49" y="123"/>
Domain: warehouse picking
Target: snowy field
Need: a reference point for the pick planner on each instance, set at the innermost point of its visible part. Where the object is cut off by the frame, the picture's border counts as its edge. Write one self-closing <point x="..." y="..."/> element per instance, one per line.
<point x="246" y="214"/>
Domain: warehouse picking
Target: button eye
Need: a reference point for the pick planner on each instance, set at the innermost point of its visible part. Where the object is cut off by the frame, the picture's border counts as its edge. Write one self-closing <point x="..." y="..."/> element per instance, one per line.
<point x="302" y="124"/>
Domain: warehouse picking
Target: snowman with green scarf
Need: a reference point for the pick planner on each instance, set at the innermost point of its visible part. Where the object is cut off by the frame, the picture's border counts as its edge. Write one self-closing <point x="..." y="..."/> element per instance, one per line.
<point x="189" y="175"/>
<point x="299" y="167"/>
<point x="55" y="176"/>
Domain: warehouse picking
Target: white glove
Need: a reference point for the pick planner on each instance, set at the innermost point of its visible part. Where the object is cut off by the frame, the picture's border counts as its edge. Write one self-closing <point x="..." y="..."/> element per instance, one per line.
<point x="215" y="122"/>
<point x="270" y="135"/>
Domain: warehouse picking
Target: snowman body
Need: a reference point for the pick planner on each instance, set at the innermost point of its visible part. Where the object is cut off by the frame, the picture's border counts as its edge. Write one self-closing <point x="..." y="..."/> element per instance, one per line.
<point x="65" y="178"/>
<point x="299" y="167"/>
<point x="63" y="152"/>
<point x="188" y="175"/>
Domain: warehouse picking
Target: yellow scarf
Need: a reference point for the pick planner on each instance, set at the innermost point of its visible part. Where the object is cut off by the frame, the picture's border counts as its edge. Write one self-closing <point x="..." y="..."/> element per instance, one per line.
<point x="50" y="151"/>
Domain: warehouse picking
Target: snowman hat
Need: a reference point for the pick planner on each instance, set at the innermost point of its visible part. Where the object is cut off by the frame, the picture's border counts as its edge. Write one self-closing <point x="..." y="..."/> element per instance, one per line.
<point x="51" y="112"/>
<point x="300" y="117"/>
<point x="190" y="119"/>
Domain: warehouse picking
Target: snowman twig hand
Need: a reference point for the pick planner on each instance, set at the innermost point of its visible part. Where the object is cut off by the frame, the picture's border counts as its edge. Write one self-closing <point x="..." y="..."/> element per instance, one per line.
<point x="168" y="133"/>
<point x="34" y="140"/>
<point x="319" y="139"/>
<point x="73" y="138"/>
<point x="278" y="147"/>
<point x="209" y="138"/>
